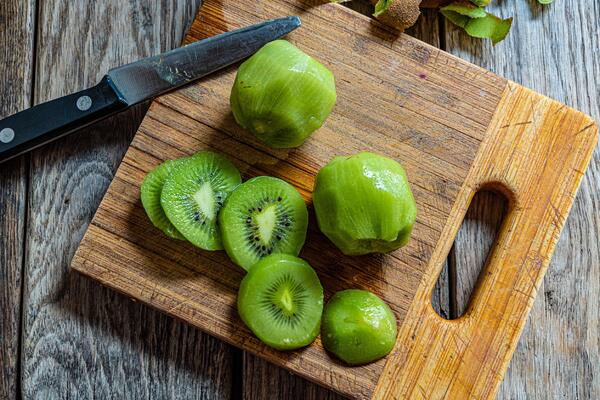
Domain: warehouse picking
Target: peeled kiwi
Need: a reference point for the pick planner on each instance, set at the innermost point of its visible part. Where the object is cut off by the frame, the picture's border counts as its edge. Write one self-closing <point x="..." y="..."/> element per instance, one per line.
<point x="263" y="216"/>
<point x="282" y="95"/>
<point x="150" y="195"/>
<point x="364" y="204"/>
<point x="358" y="327"/>
<point x="193" y="195"/>
<point x="281" y="301"/>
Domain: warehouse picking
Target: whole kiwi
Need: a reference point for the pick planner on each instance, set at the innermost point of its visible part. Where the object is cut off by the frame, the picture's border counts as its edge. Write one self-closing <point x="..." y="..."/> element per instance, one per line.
<point x="282" y="95"/>
<point x="364" y="204"/>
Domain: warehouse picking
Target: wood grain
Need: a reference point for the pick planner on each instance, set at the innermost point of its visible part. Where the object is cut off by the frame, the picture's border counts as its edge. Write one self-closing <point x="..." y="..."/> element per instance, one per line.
<point x="16" y="69"/>
<point x="436" y="152"/>
<point x="558" y="351"/>
<point x="82" y="341"/>
<point x="467" y="259"/>
<point x="467" y="358"/>
<point x="263" y="380"/>
<point x="407" y="87"/>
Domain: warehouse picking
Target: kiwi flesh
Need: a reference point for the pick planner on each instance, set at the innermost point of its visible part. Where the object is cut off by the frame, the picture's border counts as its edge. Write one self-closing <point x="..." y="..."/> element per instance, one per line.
<point x="281" y="301"/>
<point x="193" y="195"/>
<point x="263" y="216"/>
<point x="282" y="95"/>
<point x="358" y="327"/>
<point x="150" y="195"/>
<point x="364" y="204"/>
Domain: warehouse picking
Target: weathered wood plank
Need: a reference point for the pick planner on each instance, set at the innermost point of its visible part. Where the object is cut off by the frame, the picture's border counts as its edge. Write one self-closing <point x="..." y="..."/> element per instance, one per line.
<point x="80" y="340"/>
<point x="263" y="380"/>
<point x="481" y="225"/>
<point x="16" y="70"/>
<point x="558" y="351"/>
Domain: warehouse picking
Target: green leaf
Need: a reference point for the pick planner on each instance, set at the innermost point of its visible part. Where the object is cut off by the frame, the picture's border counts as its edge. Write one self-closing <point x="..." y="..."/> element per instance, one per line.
<point x="482" y="3"/>
<point x="381" y="7"/>
<point x="466" y="9"/>
<point x="456" y="18"/>
<point x="477" y="22"/>
<point x="489" y="27"/>
<point x="545" y="1"/>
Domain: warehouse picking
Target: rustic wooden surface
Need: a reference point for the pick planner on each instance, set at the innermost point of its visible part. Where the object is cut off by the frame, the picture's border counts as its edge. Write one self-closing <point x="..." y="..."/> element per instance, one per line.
<point x="16" y="71"/>
<point x="557" y="352"/>
<point x="528" y="136"/>
<point x="453" y="125"/>
<point x="80" y="340"/>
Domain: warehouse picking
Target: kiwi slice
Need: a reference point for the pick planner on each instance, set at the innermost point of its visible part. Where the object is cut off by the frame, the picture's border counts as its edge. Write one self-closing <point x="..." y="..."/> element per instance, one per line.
<point x="264" y="215"/>
<point x="193" y="195"/>
<point x="281" y="301"/>
<point x="150" y="195"/>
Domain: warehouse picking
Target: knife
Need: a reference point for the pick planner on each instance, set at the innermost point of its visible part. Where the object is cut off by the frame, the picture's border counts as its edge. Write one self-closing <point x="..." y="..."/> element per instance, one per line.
<point x="133" y="83"/>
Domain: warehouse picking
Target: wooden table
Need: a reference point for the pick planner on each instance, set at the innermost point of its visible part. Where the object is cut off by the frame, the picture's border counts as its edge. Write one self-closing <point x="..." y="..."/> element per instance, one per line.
<point x="64" y="337"/>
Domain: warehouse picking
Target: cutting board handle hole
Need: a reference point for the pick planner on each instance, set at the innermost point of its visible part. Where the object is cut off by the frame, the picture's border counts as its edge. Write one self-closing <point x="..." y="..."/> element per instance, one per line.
<point x="465" y="264"/>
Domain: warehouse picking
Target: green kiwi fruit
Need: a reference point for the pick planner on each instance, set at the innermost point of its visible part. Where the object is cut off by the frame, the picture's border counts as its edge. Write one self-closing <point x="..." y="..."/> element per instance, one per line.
<point x="281" y="301"/>
<point x="358" y="327"/>
<point x="264" y="215"/>
<point x="195" y="192"/>
<point x="364" y="204"/>
<point x="150" y="195"/>
<point x="282" y="95"/>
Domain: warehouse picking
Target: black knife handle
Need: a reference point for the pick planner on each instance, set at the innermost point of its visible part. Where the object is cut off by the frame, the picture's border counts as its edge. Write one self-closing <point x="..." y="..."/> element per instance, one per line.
<point x="43" y="123"/>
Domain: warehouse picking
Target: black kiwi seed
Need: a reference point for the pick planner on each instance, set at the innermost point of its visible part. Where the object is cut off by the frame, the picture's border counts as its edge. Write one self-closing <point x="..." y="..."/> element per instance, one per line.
<point x="190" y="189"/>
<point x="283" y="220"/>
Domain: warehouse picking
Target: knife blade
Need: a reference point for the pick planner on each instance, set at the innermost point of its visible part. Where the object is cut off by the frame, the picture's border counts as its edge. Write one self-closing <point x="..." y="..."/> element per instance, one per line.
<point x="125" y="86"/>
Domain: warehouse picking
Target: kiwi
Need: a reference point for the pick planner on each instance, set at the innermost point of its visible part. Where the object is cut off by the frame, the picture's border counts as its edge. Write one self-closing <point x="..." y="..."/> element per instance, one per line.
<point x="364" y="204"/>
<point x="193" y="195"/>
<point x="282" y="95"/>
<point x="358" y="327"/>
<point x="281" y="301"/>
<point x="397" y="14"/>
<point x="264" y="215"/>
<point x="150" y="196"/>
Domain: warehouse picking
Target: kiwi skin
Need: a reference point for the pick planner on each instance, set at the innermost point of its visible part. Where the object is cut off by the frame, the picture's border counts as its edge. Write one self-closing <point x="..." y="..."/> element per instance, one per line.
<point x="401" y="14"/>
<point x="238" y="218"/>
<point x="150" y="196"/>
<point x="277" y="282"/>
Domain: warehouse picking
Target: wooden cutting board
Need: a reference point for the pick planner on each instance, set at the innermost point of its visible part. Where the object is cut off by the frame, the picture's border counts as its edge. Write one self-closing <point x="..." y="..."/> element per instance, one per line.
<point x="455" y="127"/>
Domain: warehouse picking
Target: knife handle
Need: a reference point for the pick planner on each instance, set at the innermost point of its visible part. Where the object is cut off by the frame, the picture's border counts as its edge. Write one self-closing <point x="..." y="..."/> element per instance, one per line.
<point x="49" y="121"/>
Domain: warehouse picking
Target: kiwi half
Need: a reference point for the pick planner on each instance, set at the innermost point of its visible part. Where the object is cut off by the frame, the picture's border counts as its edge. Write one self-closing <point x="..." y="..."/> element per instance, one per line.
<point x="263" y="216"/>
<point x="150" y="195"/>
<point x="281" y="301"/>
<point x="193" y="195"/>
